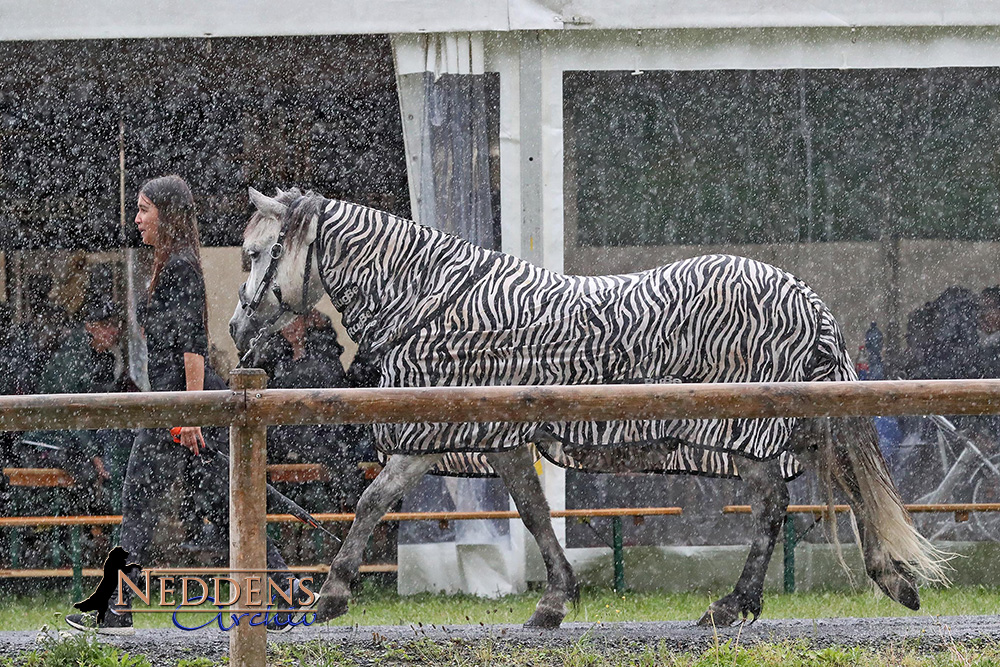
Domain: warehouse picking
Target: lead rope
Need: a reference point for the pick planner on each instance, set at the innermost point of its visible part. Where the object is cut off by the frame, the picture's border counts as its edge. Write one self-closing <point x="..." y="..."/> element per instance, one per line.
<point x="250" y="349"/>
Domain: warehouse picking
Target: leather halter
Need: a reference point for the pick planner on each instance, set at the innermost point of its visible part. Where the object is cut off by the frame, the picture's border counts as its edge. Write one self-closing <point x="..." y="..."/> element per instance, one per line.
<point x="250" y="307"/>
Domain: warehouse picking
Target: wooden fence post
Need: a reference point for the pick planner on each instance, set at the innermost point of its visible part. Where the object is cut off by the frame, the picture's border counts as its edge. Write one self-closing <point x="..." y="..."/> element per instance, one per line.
<point x="248" y="521"/>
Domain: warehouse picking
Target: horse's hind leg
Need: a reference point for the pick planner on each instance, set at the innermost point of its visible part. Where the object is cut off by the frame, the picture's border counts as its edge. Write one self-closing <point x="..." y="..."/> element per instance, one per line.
<point x="517" y="470"/>
<point x="399" y="475"/>
<point x="844" y="451"/>
<point x="769" y="500"/>
<point x="892" y="548"/>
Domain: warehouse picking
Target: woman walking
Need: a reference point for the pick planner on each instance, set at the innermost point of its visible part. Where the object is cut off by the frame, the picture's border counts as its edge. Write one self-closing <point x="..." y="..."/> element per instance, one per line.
<point x="175" y="322"/>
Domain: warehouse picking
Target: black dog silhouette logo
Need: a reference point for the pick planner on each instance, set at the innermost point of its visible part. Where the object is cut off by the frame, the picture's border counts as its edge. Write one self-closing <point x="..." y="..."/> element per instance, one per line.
<point x="117" y="561"/>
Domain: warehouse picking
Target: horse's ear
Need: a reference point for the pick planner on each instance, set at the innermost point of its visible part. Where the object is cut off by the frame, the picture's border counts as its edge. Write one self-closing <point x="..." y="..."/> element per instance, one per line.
<point x="311" y="230"/>
<point x="266" y="205"/>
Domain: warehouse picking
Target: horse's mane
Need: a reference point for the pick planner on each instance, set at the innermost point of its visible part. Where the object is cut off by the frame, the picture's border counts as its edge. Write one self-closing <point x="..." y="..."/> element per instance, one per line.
<point x="301" y="209"/>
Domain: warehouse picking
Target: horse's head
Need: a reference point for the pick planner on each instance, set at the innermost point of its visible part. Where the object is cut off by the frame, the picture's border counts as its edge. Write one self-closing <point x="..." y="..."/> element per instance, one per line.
<point x="283" y="281"/>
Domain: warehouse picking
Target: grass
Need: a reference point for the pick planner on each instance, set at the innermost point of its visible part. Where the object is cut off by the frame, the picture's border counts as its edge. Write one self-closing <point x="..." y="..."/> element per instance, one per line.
<point x="83" y="650"/>
<point x="73" y="650"/>
<point x="489" y="653"/>
<point x="381" y="606"/>
<point x="76" y="650"/>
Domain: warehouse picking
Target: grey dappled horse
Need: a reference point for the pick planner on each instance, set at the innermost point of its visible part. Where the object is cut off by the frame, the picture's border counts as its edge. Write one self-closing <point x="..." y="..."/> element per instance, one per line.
<point x="434" y="310"/>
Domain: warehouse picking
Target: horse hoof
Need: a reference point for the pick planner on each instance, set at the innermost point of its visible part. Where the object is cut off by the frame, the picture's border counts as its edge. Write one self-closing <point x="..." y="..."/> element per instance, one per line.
<point x="720" y="618"/>
<point x="900" y="586"/>
<point x="715" y="617"/>
<point x="727" y="610"/>
<point x="546" y="618"/>
<point x="330" y="608"/>
<point x="910" y="598"/>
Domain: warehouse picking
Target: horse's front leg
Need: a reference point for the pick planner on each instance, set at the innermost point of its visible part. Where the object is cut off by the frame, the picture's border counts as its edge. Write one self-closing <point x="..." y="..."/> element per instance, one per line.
<point x="400" y="474"/>
<point x="517" y="470"/>
<point x="769" y="500"/>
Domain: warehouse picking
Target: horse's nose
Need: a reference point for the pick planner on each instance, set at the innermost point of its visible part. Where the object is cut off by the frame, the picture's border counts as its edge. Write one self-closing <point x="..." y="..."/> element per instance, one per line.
<point x="232" y="330"/>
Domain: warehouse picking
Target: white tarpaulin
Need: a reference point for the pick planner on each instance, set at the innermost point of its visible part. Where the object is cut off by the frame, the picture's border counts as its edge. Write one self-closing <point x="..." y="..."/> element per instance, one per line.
<point x="442" y="101"/>
<point x="106" y="19"/>
<point x="440" y="80"/>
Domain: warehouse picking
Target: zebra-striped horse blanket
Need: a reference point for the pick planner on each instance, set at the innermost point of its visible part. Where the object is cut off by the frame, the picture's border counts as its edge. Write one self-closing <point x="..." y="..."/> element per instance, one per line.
<point x="435" y="310"/>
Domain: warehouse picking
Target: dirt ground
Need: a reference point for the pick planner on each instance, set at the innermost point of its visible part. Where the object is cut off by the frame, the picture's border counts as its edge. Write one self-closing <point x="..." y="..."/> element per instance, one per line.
<point x="166" y="647"/>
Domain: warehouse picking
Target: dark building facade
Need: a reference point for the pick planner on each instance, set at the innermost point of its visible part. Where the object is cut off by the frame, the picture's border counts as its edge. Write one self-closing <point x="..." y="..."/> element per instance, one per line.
<point x="84" y="123"/>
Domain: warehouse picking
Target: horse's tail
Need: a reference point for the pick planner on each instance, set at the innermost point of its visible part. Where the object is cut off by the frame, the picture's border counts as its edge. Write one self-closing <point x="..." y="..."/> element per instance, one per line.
<point x="894" y="551"/>
<point x="890" y="541"/>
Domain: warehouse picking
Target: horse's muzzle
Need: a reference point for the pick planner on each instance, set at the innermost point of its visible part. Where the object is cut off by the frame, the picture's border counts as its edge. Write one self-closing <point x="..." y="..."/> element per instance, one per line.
<point x="241" y="334"/>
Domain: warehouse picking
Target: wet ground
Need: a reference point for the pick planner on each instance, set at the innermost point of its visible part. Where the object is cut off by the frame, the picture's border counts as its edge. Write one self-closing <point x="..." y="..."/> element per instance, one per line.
<point x="929" y="633"/>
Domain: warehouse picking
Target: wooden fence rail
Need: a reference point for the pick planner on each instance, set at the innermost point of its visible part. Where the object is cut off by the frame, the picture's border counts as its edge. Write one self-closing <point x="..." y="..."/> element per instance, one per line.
<point x="514" y="404"/>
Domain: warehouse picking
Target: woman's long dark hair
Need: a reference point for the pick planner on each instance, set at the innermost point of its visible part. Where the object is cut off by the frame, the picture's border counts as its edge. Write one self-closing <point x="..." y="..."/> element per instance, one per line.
<point x="176" y="229"/>
<point x="177" y="225"/>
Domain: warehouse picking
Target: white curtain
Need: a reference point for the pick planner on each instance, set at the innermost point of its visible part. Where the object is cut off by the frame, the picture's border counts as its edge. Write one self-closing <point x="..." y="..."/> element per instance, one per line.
<point x="443" y="105"/>
<point x="440" y="79"/>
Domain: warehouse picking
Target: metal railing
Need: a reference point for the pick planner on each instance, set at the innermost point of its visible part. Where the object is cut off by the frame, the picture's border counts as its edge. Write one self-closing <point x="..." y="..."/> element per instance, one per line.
<point x="790" y="539"/>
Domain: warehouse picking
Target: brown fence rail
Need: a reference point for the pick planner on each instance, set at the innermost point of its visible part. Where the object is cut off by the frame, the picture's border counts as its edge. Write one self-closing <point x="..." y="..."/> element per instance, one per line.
<point x="487" y="404"/>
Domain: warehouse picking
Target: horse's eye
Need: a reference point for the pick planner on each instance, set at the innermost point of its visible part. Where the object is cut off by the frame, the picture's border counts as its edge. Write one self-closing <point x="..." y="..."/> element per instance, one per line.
<point x="247" y="260"/>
